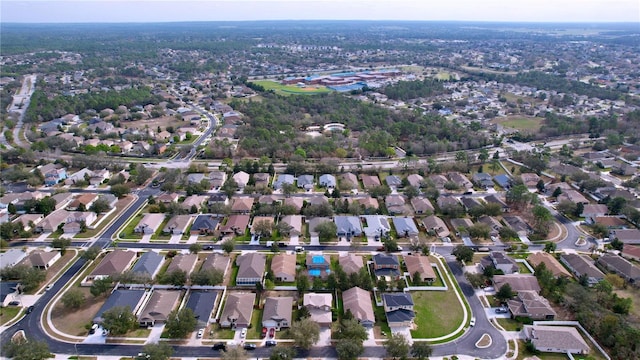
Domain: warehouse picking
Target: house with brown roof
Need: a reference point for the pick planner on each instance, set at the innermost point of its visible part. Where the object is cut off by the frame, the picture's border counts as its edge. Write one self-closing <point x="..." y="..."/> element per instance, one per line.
<point x="530" y="180"/>
<point x="238" y="309"/>
<point x="177" y="225"/>
<point x="293" y="223"/>
<point x="368" y="202"/>
<point x="262" y="219"/>
<point x="261" y="180"/>
<point x="194" y="200"/>
<point x="358" y="302"/>
<point x="395" y="204"/>
<point x="370" y="181"/>
<point x="168" y="198"/>
<point x="251" y="268"/>
<point x="216" y="261"/>
<point x="592" y="211"/>
<point x="41" y="259"/>
<point x="438" y="180"/>
<point x="422" y="206"/>
<point x="350" y="178"/>
<point x="149" y="224"/>
<point x="296" y="202"/>
<point x="236" y="224"/>
<point x="627" y="236"/>
<point x="29" y="220"/>
<point x="83" y="200"/>
<point x="242" y="205"/>
<point x="573" y="196"/>
<point x="462" y="181"/>
<point x="269" y="199"/>
<point x="351" y="263"/>
<point x="621" y="266"/>
<point x="518" y="282"/>
<point x="418" y="264"/>
<point x="183" y="262"/>
<point x="435" y="226"/>
<point x="283" y="267"/>
<point x="114" y="263"/>
<point x="557" y="339"/>
<point x="551" y="263"/>
<point x="319" y="306"/>
<point x="277" y="312"/>
<point x="51" y="222"/>
<point x="631" y="252"/>
<point x="610" y="222"/>
<point x="157" y="309"/>
<point x="530" y="304"/>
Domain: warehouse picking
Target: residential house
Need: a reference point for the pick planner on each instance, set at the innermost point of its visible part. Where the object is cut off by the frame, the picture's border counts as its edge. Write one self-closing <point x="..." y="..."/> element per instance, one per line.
<point x="351" y="263"/>
<point x="439" y="181"/>
<point x="393" y="181"/>
<point x="348" y="226"/>
<point x="493" y="224"/>
<point x="40" y="259"/>
<point x="417" y="264"/>
<point x="398" y="308"/>
<point x="11" y="258"/>
<point x="483" y="180"/>
<point x="405" y="226"/>
<point x="370" y="181"/>
<point x="177" y="225"/>
<point x="109" y="199"/>
<point x="218" y="198"/>
<point x="415" y="180"/>
<point x="623" y="168"/>
<point x="460" y="180"/>
<point x="470" y="203"/>
<point x="216" y="261"/>
<point x="610" y="222"/>
<point x="306" y="182"/>
<point x="582" y="266"/>
<point x="149" y="223"/>
<point x="357" y="301"/>
<point x="517" y="224"/>
<point x="557" y="339"/>
<point x="168" y="198"/>
<point x="501" y="261"/>
<point x="202" y="303"/>
<point x="435" y="226"/>
<point x="368" y="203"/>
<point x="386" y="265"/>
<point x="8" y="292"/>
<point x="631" y="252"/>
<point x="205" y="224"/>
<point x="236" y="224"/>
<point x="262" y="219"/>
<point x="283" y="179"/>
<point x="327" y="181"/>
<point x="319" y="306"/>
<point x="448" y="202"/>
<point x="242" y="205"/>
<point x="349" y="178"/>
<point x="114" y="263"/>
<point x="217" y="179"/>
<point x="550" y="262"/>
<point x="148" y="264"/>
<point x="503" y="180"/>
<point x="621" y="266"/>
<point x="283" y="267"/>
<point x="195" y="178"/>
<point x="82" y="202"/>
<point x="277" y="312"/>
<point x="493" y="199"/>
<point x="530" y="180"/>
<point x="261" y="180"/>
<point x="395" y="204"/>
<point x="157" y="309"/>
<point x="194" y="201"/>
<point x="627" y="236"/>
<point x="573" y="196"/>
<point x="518" y="282"/>
<point x="241" y="178"/>
<point x="251" y="267"/>
<point x="237" y="310"/>
<point x="62" y="199"/>
<point x="133" y="299"/>
<point x="51" y="222"/>
<point x="293" y="223"/>
<point x="183" y="262"/>
<point x="318" y="265"/>
<point x="312" y="223"/>
<point x="28" y="221"/>
<point x="99" y="176"/>
<point x="422" y="206"/>
<point x="317" y="200"/>
<point x="460" y="225"/>
<point x="375" y="226"/>
<point x="530" y="304"/>
<point x="269" y="199"/>
<point x="295" y="202"/>
<point x="591" y="211"/>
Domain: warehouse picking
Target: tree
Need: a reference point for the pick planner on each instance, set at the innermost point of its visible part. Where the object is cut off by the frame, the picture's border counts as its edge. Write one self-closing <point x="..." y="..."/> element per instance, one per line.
<point x="195" y="248"/>
<point x="119" y="320"/>
<point x="120" y="190"/>
<point x="100" y="286"/>
<point x="99" y="206"/>
<point x="410" y="192"/>
<point x="421" y="350"/>
<point x="302" y="283"/>
<point x="282" y="353"/>
<point x="175" y="278"/>
<point x="207" y="277"/>
<point x="262" y="228"/>
<point x="180" y="323"/>
<point x="483" y="155"/>
<point x="235" y="353"/>
<point x="352" y="329"/>
<point x="463" y="253"/>
<point x="540" y="185"/>
<point x="541" y="219"/>
<point x="557" y="192"/>
<point x="228" y="246"/>
<point x="504" y="293"/>
<point x="349" y="349"/>
<point x="397" y="346"/>
<point x="379" y="191"/>
<point x="26" y="349"/>
<point x="518" y="196"/>
<point x="61" y="243"/>
<point x="567" y="207"/>
<point x="326" y="230"/>
<point x="142" y="174"/>
<point x="158" y="351"/>
<point x="91" y="253"/>
<point x="305" y="333"/>
<point x="550" y="247"/>
<point x="73" y="299"/>
<point x="476" y="280"/>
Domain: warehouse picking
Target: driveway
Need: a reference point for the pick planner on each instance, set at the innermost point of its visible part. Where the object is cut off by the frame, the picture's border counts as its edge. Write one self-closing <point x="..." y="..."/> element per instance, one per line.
<point x="146" y="238"/>
<point x="192" y="239"/>
<point x="405" y="331"/>
<point x="175" y="239"/>
<point x="371" y="340"/>
<point x="325" y="337"/>
<point x="294" y="240"/>
<point x="156" y="332"/>
<point x="314" y="241"/>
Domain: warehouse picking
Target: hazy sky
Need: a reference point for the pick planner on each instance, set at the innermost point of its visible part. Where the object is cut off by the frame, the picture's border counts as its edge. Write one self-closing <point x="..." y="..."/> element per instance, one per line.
<point x="37" y="11"/>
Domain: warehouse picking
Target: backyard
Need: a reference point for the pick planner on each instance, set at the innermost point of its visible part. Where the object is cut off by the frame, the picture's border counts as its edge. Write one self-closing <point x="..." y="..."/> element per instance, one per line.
<point x="291" y="89"/>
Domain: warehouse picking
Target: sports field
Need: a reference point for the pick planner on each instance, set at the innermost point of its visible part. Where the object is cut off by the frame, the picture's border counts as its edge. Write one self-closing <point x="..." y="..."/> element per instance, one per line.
<point x="291" y="89"/>
<point x="521" y="123"/>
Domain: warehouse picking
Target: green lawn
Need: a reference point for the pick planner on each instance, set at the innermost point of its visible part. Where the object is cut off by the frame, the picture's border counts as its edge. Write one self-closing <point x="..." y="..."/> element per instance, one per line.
<point x="523" y="123"/>
<point x="255" y="331"/>
<point x="127" y="232"/>
<point x="381" y="319"/>
<point x="509" y="324"/>
<point x="291" y="89"/>
<point x="523" y="268"/>
<point x="8" y="313"/>
<point x="438" y="313"/>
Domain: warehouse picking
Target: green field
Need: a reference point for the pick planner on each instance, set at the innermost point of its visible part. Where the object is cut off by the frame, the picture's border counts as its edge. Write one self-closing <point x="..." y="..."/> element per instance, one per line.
<point x="291" y="89"/>
<point x="526" y="124"/>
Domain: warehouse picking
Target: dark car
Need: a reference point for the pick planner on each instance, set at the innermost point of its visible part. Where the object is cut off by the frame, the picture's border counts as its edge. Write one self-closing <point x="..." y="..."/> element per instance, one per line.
<point x="207" y="247"/>
<point x="270" y="343"/>
<point x="14" y="303"/>
<point x="501" y="311"/>
<point x="249" y="346"/>
<point x="29" y="309"/>
<point x="220" y="346"/>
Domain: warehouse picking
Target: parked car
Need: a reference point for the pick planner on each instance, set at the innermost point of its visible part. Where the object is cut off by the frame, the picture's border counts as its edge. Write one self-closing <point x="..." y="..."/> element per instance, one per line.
<point x="272" y="332"/>
<point x="249" y="346"/>
<point x="270" y="343"/>
<point x="501" y="311"/>
<point x="200" y="333"/>
<point x="29" y="309"/>
<point x="220" y="346"/>
<point x="264" y="332"/>
<point x="472" y="322"/>
<point x="14" y="303"/>
<point x="243" y="333"/>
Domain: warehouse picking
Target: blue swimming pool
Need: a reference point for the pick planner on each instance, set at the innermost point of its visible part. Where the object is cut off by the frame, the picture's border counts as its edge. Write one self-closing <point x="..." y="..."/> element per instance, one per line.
<point x="317" y="259"/>
<point x="314" y="272"/>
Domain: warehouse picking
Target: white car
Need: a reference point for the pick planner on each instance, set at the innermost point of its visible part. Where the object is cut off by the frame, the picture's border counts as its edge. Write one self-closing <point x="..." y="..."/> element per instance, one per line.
<point x="200" y="333"/>
<point x="472" y="322"/>
<point x="243" y="333"/>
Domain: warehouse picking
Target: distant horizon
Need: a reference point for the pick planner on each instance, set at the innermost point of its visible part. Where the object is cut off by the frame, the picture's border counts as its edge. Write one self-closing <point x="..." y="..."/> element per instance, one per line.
<point x="173" y="11"/>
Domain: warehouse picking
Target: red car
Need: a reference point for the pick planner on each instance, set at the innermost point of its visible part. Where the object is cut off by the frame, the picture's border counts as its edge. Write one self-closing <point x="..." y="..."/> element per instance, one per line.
<point x="272" y="332"/>
<point x="264" y="331"/>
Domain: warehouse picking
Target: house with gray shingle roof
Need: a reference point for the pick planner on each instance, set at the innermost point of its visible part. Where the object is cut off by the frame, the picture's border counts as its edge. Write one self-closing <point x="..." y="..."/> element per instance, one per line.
<point x="277" y="312"/>
<point x="327" y="180"/>
<point x="348" y="226"/>
<point x="358" y="302"/>
<point x="202" y="303"/>
<point x="405" y="226"/>
<point x="251" y="267"/>
<point x="148" y="264"/>
<point x="558" y="339"/>
<point x="121" y="297"/>
<point x="398" y="308"/>
<point x="238" y="309"/>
